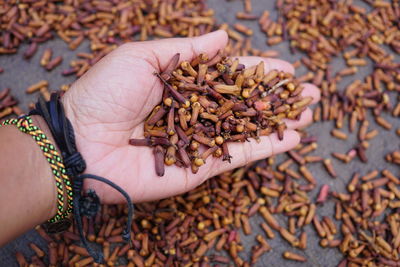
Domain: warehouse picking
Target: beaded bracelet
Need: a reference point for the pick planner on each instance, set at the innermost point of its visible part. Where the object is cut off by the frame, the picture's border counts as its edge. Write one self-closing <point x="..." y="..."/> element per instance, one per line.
<point x="24" y="124"/>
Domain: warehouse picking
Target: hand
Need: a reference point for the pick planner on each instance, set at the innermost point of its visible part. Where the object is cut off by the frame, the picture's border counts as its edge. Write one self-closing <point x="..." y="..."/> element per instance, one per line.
<point x="107" y="107"/>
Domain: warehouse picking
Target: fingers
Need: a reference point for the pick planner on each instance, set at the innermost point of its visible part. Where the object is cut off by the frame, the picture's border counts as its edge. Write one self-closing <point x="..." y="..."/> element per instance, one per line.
<point x="270" y="63"/>
<point x="311" y="90"/>
<point x="188" y="48"/>
<point x="278" y="64"/>
<point x="306" y="116"/>
<point x="305" y="119"/>
<point x="244" y="153"/>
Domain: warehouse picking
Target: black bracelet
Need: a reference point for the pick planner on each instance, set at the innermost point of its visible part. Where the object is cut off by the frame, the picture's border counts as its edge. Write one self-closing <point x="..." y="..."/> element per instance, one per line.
<point x="84" y="205"/>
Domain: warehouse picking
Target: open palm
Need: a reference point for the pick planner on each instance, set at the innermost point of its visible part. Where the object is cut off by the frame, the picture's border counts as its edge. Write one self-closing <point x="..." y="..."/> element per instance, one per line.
<point x="107" y="107"/>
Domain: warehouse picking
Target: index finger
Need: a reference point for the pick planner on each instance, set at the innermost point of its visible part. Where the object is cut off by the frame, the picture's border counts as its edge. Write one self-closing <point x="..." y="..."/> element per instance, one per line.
<point x="269" y="63"/>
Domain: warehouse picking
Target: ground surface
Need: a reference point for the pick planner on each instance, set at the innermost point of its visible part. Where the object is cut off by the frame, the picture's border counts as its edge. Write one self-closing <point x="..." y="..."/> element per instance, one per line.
<point x="19" y="74"/>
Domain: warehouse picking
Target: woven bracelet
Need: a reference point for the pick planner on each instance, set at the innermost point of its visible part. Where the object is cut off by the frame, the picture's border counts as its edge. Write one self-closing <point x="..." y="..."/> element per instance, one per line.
<point x="63" y="183"/>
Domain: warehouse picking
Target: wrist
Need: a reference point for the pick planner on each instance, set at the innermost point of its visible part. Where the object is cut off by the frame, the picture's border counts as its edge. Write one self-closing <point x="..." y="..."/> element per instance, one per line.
<point x="70" y="110"/>
<point x="70" y="114"/>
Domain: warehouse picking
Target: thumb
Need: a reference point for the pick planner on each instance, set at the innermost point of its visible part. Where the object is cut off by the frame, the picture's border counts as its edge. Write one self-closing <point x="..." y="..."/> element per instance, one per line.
<point x="188" y="48"/>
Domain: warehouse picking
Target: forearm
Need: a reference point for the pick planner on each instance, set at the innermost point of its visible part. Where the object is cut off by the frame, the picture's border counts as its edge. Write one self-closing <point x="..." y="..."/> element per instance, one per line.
<point x="27" y="187"/>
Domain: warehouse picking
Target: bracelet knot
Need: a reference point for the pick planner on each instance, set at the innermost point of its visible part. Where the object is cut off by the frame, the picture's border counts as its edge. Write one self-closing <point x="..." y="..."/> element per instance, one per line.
<point x="75" y="164"/>
<point x="89" y="205"/>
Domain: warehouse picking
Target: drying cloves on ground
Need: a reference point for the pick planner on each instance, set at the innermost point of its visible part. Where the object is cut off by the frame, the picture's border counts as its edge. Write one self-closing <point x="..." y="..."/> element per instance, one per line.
<point x="210" y="102"/>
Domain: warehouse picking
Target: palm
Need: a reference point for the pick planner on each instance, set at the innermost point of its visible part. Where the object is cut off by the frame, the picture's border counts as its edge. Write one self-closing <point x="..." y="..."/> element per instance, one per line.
<point x="107" y="107"/>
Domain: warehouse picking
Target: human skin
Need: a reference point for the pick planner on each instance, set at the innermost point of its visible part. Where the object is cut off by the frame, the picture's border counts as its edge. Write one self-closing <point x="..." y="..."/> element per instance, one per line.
<point x="107" y="107"/>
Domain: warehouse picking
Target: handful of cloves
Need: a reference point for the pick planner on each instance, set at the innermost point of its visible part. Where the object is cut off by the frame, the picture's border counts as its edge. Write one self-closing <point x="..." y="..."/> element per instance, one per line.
<point x="211" y="102"/>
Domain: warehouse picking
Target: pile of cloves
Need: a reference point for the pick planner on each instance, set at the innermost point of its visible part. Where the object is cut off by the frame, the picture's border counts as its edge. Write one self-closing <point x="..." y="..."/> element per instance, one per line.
<point x="213" y="101"/>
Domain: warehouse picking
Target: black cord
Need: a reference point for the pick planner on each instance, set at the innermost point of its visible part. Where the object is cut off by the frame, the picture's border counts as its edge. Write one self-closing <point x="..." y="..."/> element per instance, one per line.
<point x="63" y="134"/>
<point x="62" y="131"/>
<point x="84" y="210"/>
